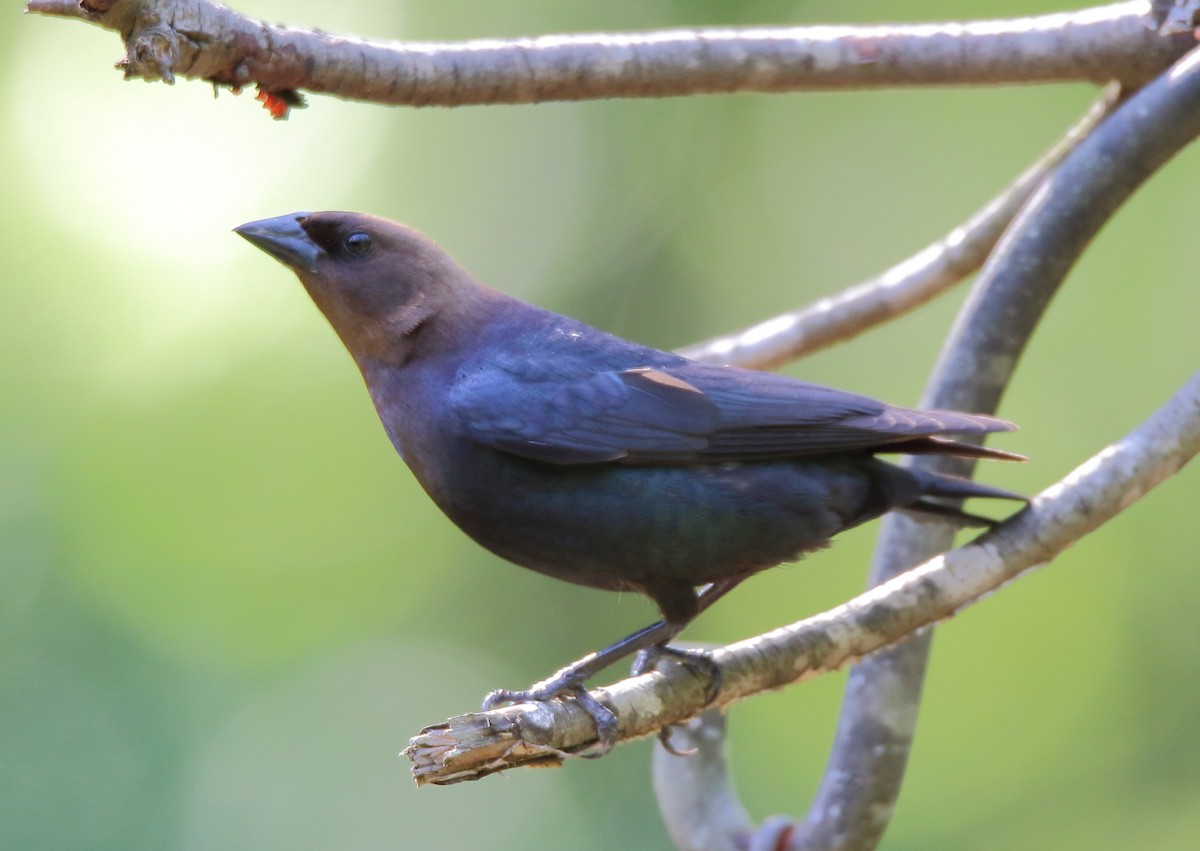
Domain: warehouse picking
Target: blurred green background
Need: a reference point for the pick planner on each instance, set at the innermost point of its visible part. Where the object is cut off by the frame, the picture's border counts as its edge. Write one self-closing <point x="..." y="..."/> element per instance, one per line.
<point x="224" y="603"/>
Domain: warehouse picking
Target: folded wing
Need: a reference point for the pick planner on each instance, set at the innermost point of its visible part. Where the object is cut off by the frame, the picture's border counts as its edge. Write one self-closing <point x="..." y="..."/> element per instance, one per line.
<point x="686" y="412"/>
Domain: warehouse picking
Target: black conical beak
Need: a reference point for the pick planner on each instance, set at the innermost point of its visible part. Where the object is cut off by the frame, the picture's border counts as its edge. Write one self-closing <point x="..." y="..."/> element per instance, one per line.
<point x="284" y="238"/>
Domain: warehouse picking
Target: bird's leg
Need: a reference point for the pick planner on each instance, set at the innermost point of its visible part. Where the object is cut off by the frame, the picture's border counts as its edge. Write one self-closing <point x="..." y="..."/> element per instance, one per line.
<point x="695" y="658"/>
<point x="569" y="681"/>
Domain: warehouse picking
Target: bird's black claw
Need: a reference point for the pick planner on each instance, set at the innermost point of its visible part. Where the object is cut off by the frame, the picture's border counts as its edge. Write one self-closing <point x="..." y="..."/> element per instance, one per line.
<point x="699" y="661"/>
<point x="502" y="696"/>
<point x="564" y="686"/>
<point x="664" y="739"/>
<point x="604" y="719"/>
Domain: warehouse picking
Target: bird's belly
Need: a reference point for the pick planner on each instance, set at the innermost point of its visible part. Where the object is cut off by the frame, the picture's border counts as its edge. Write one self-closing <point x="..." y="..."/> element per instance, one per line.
<point x="617" y="527"/>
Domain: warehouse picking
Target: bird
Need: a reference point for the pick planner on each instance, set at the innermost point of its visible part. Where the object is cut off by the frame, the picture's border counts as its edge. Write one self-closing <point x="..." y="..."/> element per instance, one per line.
<point x="593" y="459"/>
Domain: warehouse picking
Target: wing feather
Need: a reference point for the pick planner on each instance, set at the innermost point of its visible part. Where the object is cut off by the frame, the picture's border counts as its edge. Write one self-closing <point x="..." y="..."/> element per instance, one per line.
<point x="683" y="412"/>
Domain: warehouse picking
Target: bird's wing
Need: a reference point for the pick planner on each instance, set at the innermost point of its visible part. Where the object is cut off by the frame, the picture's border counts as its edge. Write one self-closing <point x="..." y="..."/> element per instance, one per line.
<point x="680" y="412"/>
<point x="766" y="415"/>
<point x="605" y="416"/>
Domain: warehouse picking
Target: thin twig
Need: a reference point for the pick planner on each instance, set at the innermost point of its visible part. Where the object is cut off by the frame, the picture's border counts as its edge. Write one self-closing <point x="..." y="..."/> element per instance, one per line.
<point x="907" y="285"/>
<point x="468" y="747"/>
<point x="201" y="39"/>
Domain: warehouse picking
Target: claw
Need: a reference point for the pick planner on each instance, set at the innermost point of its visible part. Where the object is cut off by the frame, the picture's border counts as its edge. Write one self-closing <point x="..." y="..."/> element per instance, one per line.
<point x="697" y="660"/>
<point x="664" y="739"/>
<point x="564" y="685"/>
<point x="568" y="681"/>
<point x="502" y="696"/>
<point x="604" y="719"/>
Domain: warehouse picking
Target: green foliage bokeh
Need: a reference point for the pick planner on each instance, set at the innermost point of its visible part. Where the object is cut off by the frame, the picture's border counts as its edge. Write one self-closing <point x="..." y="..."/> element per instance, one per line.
<point x="224" y="603"/>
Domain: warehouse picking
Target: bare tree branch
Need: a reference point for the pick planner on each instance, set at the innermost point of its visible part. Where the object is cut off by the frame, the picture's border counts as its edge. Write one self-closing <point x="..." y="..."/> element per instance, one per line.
<point x="201" y="39"/>
<point x="698" y="803"/>
<point x="906" y="286"/>
<point x="879" y="717"/>
<point x="471" y="746"/>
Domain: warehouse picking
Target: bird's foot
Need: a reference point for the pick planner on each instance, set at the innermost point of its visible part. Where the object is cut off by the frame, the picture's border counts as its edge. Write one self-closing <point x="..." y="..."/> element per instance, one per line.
<point x="565" y="683"/>
<point x="698" y="661"/>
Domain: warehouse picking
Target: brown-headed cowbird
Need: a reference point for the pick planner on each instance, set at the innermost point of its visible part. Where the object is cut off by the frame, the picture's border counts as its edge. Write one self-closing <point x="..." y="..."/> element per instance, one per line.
<point x="593" y="459"/>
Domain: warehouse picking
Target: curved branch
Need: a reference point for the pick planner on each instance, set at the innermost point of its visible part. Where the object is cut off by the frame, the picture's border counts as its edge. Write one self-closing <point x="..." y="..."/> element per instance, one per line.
<point x="698" y="803"/>
<point x="471" y="746"/>
<point x="201" y="39"/>
<point x="875" y="729"/>
<point x="906" y="286"/>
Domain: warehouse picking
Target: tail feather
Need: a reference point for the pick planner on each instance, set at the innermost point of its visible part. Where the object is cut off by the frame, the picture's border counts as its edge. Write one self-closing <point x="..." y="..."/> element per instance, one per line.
<point x="956" y="516"/>
<point x="955" y="487"/>
<point x="944" y="484"/>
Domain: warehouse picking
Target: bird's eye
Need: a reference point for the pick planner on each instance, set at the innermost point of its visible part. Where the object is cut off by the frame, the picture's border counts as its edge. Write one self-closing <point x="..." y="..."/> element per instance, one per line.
<point x="358" y="243"/>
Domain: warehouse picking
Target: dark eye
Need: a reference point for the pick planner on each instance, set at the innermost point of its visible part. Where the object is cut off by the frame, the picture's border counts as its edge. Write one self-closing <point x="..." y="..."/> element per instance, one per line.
<point x="358" y="243"/>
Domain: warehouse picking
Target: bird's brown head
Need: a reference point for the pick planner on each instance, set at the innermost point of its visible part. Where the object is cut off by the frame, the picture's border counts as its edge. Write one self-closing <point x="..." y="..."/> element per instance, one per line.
<point x="377" y="282"/>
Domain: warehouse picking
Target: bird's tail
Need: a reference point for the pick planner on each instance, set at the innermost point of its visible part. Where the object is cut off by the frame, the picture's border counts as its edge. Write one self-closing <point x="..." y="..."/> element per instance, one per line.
<point x="954" y="487"/>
